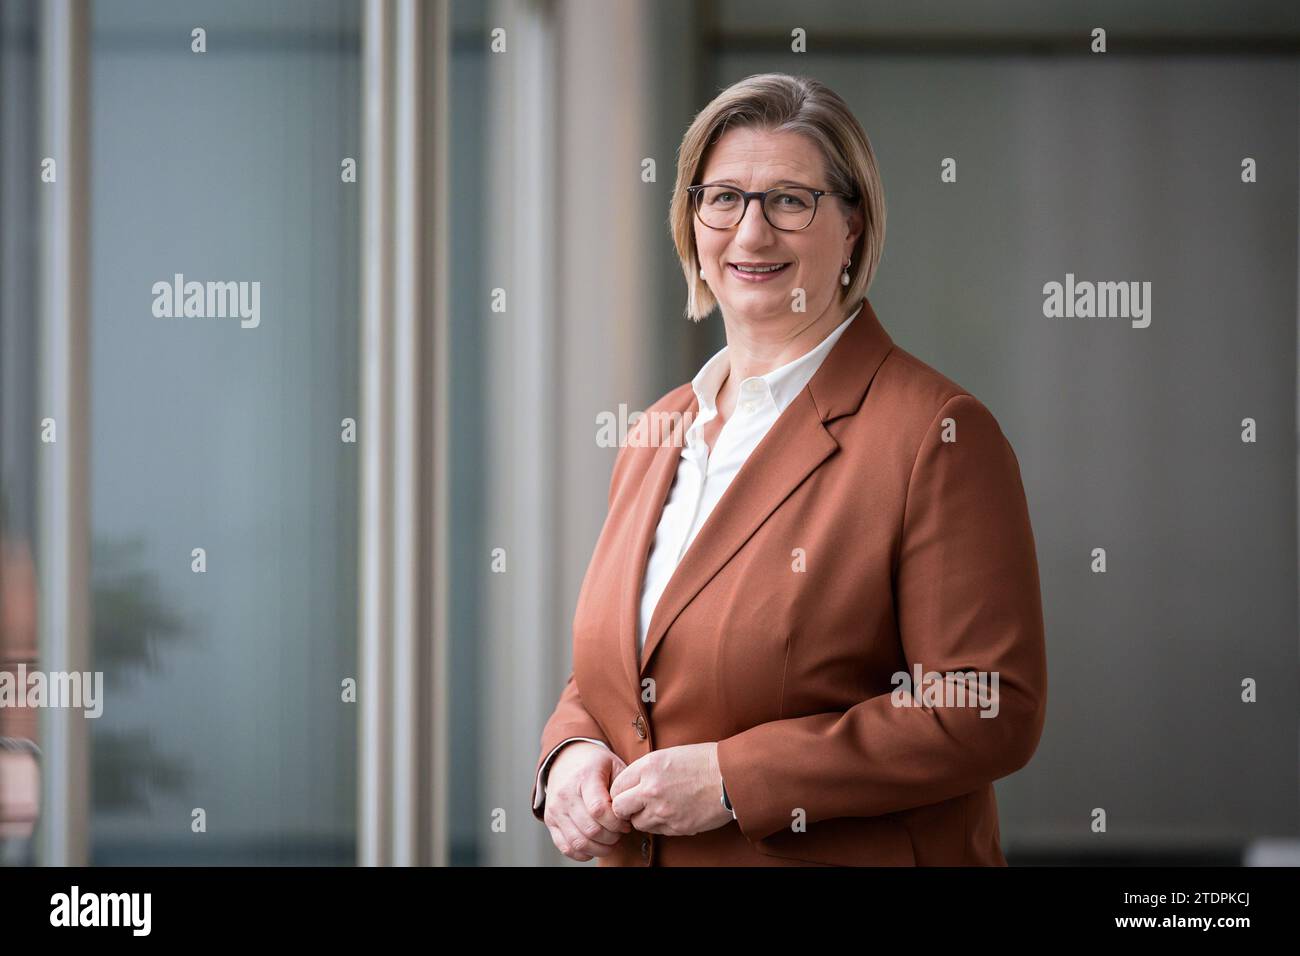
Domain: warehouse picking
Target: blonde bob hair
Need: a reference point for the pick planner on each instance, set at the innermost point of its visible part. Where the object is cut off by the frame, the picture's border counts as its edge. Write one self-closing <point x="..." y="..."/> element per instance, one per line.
<point x="779" y="103"/>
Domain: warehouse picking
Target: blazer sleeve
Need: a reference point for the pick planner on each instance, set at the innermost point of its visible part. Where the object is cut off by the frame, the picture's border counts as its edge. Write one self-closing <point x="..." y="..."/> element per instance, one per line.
<point x="967" y="598"/>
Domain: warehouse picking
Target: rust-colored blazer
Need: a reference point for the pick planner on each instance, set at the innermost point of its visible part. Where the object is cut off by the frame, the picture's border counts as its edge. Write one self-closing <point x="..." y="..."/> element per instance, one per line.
<point x="880" y="525"/>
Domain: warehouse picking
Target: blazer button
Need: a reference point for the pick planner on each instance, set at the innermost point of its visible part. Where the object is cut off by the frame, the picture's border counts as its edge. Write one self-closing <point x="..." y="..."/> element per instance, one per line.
<point x="639" y="724"/>
<point x="645" y="848"/>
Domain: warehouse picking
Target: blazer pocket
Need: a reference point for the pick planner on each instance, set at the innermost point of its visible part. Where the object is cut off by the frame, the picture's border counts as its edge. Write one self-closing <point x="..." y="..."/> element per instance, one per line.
<point x="844" y="841"/>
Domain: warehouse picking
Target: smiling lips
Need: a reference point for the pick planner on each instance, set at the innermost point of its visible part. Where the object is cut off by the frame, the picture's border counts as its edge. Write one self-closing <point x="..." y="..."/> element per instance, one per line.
<point x="756" y="272"/>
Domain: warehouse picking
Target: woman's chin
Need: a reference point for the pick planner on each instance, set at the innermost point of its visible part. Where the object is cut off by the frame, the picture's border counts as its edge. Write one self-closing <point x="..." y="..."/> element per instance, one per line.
<point x="759" y="302"/>
<point x="755" y="313"/>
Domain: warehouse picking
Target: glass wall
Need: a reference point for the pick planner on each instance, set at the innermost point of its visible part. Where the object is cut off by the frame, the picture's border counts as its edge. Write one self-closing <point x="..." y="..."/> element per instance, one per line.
<point x="223" y="490"/>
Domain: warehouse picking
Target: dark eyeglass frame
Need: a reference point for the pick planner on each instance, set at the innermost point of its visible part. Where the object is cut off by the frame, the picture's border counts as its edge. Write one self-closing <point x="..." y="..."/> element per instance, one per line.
<point x="762" y="197"/>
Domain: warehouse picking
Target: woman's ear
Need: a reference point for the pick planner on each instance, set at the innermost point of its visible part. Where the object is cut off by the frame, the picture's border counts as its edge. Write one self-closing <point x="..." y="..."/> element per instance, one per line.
<point x="854" y="226"/>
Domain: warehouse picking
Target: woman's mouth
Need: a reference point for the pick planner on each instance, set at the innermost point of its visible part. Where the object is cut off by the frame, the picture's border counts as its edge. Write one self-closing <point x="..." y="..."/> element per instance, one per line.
<point x="757" y="273"/>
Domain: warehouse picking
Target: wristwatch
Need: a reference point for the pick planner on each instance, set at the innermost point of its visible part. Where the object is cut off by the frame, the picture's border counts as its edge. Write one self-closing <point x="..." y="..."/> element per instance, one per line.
<point x="726" y="803"/>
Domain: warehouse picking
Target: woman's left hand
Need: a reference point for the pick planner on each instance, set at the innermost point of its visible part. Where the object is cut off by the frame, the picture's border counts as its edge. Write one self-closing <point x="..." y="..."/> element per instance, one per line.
<point x="676" y="791"/>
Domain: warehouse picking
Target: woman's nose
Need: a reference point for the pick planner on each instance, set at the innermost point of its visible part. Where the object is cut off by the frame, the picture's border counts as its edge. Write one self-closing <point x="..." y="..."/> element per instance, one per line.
<point x="753" y="225"/>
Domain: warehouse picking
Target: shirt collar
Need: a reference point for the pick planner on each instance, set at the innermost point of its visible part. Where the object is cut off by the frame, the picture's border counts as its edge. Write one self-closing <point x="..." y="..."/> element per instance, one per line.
<point x="783" y="384"/>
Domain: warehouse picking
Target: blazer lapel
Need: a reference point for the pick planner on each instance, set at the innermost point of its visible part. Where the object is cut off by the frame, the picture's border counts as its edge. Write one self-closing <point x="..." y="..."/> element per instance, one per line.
<point x="645" y="521"/>
<point x="793" y="449"/>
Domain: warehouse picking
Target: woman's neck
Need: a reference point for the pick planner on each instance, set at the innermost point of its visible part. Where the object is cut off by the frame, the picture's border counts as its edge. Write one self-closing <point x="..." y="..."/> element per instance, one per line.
<point x="760" y="346"/>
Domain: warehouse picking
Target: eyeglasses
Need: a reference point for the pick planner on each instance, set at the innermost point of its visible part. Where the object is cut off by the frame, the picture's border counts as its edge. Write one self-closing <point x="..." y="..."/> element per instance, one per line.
<point x="788" y="208"/>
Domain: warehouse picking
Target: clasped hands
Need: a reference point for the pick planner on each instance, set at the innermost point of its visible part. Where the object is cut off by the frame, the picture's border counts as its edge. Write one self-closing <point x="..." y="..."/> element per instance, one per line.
<point x="593" y="797"/>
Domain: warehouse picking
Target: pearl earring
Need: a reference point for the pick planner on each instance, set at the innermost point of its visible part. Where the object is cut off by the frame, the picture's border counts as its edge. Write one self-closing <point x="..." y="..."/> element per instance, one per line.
<point x="844" y="276"/>
<point x="701" y="272"/>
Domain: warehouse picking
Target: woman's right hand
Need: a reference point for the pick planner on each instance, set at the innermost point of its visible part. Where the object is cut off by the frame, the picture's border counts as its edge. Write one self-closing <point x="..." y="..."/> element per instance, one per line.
<point x="578" y="811"/>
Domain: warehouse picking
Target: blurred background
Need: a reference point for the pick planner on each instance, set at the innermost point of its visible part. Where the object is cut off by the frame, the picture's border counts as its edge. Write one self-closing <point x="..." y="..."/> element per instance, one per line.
<point x="496" y="275"/>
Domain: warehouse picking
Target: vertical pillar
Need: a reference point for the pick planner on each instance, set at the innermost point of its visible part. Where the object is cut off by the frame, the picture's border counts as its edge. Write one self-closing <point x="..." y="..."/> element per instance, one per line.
<point x="402" y="689"/>
<point x="64" y="503"/>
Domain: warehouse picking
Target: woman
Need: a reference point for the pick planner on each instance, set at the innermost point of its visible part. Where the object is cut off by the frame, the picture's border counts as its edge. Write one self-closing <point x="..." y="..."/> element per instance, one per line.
<point x="811" y="633"/>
